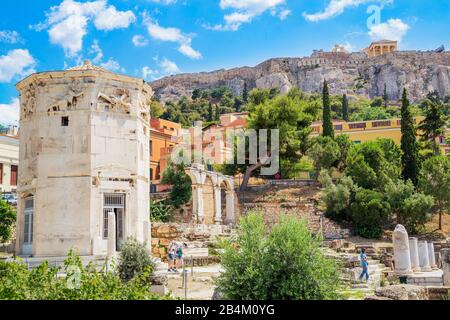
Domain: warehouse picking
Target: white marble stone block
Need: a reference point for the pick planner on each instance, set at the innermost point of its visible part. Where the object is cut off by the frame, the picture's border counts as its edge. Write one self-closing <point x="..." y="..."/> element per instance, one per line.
<point x="111" y="235"/>
<point x="414" y="254"/>
<point x="424" y="258"/>
<point x="431" y="256"/>
<point x="402" y="258"/>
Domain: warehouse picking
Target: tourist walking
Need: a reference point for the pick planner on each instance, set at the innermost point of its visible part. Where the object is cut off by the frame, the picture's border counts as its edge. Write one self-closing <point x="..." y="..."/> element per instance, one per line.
<point x="180" y="255"/>
<point x="171" y="253"/>
<point x="364" y="265"/>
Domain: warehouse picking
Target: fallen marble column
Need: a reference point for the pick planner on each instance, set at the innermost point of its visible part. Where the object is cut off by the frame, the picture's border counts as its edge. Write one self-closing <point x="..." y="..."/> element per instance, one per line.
<point x="414" y="255"/>
<point x="424" y="258"/>
<point x="431" y="256"/>
<point x="402" y="260"/>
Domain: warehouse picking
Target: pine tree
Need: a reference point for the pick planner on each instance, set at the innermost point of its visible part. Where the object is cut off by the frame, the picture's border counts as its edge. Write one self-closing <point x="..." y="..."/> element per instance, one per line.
<point x="409" y="143"/>
<point x="345" y="108"/>
<point x="328" y="130"/>
<point x="385" y="96"/>
<point x="434" y="124"/>
<point x="245" y="93"/>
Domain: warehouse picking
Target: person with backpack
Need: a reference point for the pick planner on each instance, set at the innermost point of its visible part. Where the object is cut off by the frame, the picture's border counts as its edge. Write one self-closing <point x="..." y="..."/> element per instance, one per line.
<point x="180" y="254"/>
<point x="171" y="254"/>
<point x="364" y="265"/>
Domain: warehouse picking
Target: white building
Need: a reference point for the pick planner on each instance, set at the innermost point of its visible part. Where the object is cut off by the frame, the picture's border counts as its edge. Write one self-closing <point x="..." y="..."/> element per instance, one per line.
<point x="9" y="161"/>
<point x="84" y="152"/>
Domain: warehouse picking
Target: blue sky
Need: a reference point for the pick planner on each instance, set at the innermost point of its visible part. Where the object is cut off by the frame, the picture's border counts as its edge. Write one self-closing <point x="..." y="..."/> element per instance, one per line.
<point x="154" y="38"/>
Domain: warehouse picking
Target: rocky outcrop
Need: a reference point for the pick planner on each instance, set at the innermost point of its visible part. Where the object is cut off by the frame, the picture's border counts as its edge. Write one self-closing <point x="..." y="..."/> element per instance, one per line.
<point x="353" y="74"/>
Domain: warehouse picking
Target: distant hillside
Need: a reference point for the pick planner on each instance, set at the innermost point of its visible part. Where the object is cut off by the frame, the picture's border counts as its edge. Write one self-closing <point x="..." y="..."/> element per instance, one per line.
<point x="350" y="73"/>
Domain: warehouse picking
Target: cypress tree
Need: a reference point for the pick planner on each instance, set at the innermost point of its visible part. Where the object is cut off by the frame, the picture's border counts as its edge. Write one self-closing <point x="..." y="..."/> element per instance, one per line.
<point x="245" y="93"/>
<point x="409" y="145"/>
<point x="345" y="107"/>
<point x="434" y="124"/>
<point x="385" y="96"/>
<point x="328" y="130"/>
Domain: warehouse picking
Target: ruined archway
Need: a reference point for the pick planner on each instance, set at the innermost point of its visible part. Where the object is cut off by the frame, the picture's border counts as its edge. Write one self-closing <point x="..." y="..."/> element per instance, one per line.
<point x="207" y="189"/>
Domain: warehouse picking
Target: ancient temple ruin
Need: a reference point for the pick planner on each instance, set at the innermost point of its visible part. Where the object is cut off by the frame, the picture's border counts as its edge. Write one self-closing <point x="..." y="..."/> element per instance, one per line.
<point x="84" y="153"/>
<point x="207" y="190"/>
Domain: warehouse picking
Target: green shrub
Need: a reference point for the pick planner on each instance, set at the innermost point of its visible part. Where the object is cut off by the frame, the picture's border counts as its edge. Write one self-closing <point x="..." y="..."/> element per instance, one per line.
<point x="369" y="213"/>
<point x="80" y="283"/>
<point x="160" y="212"/>
<point x="285" y="263"/>
<point x="409" y="207"/>
<point x="7" y="220"/>
<point x="134" y="260"/>
<point x="337" y="199"/>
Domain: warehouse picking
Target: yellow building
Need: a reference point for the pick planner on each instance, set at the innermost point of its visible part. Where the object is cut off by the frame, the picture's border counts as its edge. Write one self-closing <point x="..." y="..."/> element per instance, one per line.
<point x="363" y="131"/>
<point x="9" y="160"/>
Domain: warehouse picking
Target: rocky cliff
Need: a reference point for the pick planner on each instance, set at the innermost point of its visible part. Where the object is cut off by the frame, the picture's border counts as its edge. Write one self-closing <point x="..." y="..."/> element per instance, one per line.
<point x="350" y="73"/>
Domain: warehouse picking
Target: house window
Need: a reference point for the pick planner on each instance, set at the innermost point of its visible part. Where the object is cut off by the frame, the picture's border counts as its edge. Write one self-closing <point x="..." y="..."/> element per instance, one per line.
<point x="151" y="148"/>
<point x="28" y="221"/>
<point x="360" y="125"/>
<point x="386" y="123"/>
<point x="338" y="127"/>
<point x="14" y="172"/>
<point x="64" y="121"/>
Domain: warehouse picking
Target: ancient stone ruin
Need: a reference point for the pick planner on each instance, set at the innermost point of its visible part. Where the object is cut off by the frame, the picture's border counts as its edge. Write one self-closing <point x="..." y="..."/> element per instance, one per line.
<point x="84" y="153"/>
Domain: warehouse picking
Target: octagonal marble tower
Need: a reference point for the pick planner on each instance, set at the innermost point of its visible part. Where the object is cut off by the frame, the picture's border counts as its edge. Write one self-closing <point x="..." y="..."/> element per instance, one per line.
<point x="84" y="152"/>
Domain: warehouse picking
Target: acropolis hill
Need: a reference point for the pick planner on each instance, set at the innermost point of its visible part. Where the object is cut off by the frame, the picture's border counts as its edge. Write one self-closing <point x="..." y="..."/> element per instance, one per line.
<point x="351" y="73"/>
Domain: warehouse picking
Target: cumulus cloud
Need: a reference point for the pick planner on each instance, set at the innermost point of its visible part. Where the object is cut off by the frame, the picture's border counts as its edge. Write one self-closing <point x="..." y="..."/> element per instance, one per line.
<point x="169" y="67"/>
<point x="393" y="29"/>
<point x="67" y="22"/>
<point x="18" y="62"/>
<point x="243" y="11"/>
<point x="170" y="34"/>
<point x="166" y="67"/>
<point x="112" y="65"/>
<point x="97" y="51"/>
<point x="10" y="36"/>
<point x="139" y="41"/>
<point x="9" y="113"/>
<point x="110" y="19"/>
<point x="337" y="7"/>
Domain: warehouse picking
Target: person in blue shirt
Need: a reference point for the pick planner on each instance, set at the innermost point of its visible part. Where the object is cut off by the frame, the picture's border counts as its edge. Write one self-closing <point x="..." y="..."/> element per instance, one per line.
<point x="364" y="265"/>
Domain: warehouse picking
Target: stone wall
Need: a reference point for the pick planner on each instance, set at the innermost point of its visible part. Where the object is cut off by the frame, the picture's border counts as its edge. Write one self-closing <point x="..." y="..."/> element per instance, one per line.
<point x="196" y="235"/>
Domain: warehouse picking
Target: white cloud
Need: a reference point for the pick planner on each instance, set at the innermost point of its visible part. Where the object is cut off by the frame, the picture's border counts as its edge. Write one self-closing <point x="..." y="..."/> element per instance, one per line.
<point x="18" y="62"/>
<point x="9" y="36"/>
<point x="336" y="8"/>
<point x="67" y="23"/>
<point x="95" y="49"/>
<point x="393" y="29"/>
<point x="188" y="51"/>
<point x="139" y="41"/>
<point x="283" y="14"/>
<point x="9" y="113"/>
<point x="172" y="35"/>
<point x="110" y="19"/>
<point x="169" y="67"/>
<point x="243" y="11"/>
<point x="164" y="2"/>
<point x="166" y="67"/>
<point x="112" y="65"/>
<point x="148" y="73"/>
